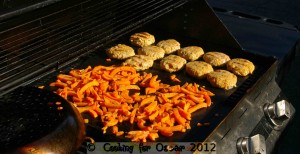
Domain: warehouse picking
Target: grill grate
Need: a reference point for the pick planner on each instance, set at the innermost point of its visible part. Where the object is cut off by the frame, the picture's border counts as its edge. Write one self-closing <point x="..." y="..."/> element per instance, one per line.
<point x="40" y="44"/>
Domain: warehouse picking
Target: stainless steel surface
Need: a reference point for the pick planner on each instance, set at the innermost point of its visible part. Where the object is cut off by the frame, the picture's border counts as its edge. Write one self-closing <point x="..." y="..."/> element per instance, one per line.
<point x="242" y="145"/>
<point x="248" y="118"/>
<point x="270" y="41"/>
<point x="283" y="110"/>
<point x="257" y="144"/>
<point x="277" y="113"/>
<point x="251" y="145"/>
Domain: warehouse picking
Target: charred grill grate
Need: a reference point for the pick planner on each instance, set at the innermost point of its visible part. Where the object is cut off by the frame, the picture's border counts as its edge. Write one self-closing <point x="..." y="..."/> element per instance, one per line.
<point x="40" y="44"/>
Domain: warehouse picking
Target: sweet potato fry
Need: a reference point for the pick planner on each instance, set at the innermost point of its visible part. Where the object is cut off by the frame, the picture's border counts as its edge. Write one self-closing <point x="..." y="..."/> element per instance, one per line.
<point x="165" y="117"/>
<point x="59" y="84"/>
<point x="170" y="95"/>
<point x="137" y="136"/>
<point x="93" y="113"/>
<point x="65" y="78"/>
<point x="122" y="82"/>
<point x="187" y="91"/>
<point x="207" y="92"/>
<point x="196" y="99"/>
<point x="207" y="100"/>
<point x="109" y="104"/>
<point x="197" y="107"/>
<point x="174" y="89"/>
<point x="150" y="90"/>
<point x="153" y="115"/>
<point x="146" y="79"/>
<point x="119" y="133"/>
<point x="178" y="117"/>
<point x="115" y="129"/>
<point x="153" y="83"/>
<point x="186" y="106"/>
<point x="141" y="125"/>
<point x="132" y="116"/>
<point x="176" y="97"/>
<point x="150" y="108"/>
<point x="164" y="98"/>
<point x="122" y="68"/>
<point x="177" y="128"/>
<point x="106" y="92"/>
<point x="174" y="78"/>
<point x="90" y="84"/>
<point x="184" y="114"/>
<point x="147" y="100"/>
<point x="165" y="131"/>
<point x="110" y="123"/>
<point x="153" y="136"/>
<point x="129" y="87"/>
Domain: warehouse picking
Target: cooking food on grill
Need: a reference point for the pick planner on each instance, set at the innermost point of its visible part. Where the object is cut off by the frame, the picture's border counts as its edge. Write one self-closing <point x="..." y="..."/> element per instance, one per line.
<point x="190" y="53"/>
<point x="172" y="63"/>
<point x="216" y="58"/>
<point x="152" y="51"/>
<point x="198" y="69"/>
<point x="142" y="39"/>
<point x="239" y="66"/>
<point x="170" y="45"/>
<point x="120" y="51"/>
<point x="222" y="79"/>
<point x="104" y="93"/>
<point x="174" y="78"/>
<point x="139" y="62"/>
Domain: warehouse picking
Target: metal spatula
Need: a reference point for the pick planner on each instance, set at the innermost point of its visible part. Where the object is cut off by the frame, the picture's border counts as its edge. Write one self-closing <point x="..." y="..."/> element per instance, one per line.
<point x="33" y="119"/>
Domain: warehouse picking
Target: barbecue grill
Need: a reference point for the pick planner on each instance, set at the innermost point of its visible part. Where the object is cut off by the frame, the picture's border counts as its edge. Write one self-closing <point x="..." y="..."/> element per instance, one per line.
<point x="44" y="38"/>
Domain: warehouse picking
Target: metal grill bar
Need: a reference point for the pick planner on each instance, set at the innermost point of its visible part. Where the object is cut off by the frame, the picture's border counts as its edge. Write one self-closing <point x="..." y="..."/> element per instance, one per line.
<point x="34" y="56"/>
<point x="53" y="26"/>
<point x="71" y="29"/>
<point x="57" y="42"/>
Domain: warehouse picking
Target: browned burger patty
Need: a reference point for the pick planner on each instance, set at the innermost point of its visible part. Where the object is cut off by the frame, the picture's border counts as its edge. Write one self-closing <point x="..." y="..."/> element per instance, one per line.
<point x="170" y="45"/>
<point x="198" y="69"/>
<point x="152" y="51"/>
<point x="222" y="79"/>
<point x="142" y="39"/>
<point x="120" y="51"/>
<point x="239" y="66"/>
<point x="172" y="63"/>
<point x="190" y="53"/>
<point x="216" y="58"/>
<point x="139" y="62"/>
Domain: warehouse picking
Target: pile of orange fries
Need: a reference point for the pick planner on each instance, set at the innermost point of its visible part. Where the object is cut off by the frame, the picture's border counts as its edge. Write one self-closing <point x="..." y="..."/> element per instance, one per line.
<point x="117" y="94"/>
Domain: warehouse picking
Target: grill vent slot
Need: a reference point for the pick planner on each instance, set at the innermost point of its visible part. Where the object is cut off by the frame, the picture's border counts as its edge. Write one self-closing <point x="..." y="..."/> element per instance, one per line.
<point x="242" y="89"/>
<point x="36" y="45"/>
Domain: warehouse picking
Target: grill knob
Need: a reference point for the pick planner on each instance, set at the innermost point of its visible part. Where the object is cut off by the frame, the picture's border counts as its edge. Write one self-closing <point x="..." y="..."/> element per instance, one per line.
<point x="277" y="113"/>
<point x="251" y="145"/>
